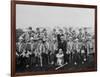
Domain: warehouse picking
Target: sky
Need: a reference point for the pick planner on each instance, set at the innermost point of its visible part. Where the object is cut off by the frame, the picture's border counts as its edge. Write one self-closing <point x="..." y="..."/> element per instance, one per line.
<point x="51" y="17"/>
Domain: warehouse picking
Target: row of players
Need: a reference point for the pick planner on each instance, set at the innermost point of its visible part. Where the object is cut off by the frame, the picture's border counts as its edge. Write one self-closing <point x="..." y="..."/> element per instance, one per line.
<point x="39" y="48"/>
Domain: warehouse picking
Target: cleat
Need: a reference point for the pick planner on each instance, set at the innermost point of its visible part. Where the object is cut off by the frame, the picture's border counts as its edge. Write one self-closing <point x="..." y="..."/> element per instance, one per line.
<point x="75" y="63"/>
<point x="66" y="63"/>
<point x="84" y="59"/>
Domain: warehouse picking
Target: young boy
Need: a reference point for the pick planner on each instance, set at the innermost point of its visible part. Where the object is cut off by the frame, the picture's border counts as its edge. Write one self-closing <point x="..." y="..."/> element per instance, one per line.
<point x="60" y="57"/>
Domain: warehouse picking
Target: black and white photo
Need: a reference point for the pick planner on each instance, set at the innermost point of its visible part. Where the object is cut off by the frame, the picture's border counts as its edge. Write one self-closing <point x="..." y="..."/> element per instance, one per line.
<point x="54" y="38"/>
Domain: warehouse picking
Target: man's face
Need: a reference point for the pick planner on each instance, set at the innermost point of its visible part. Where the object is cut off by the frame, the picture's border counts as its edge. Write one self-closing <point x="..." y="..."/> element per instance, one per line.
<point x="61" y="31"/>
<point x="62" y="38"/>
<point x="38" y="30"/>
<point x="74" y="32"/>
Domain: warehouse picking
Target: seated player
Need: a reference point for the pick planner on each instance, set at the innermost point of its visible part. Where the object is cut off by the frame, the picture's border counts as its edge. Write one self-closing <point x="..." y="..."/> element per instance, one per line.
<point x="60" y="57"/>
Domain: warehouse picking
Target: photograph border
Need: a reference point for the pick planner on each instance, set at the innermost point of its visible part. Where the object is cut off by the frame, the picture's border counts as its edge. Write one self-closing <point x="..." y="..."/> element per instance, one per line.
<point x="13" y="36"/>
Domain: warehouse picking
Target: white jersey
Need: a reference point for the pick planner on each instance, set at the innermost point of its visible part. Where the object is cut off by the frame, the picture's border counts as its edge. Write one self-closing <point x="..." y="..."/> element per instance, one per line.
<point x="60" y="59"/>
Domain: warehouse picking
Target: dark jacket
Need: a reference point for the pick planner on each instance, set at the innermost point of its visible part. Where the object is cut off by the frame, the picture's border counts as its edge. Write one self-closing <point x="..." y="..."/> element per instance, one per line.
<point x="63" y="46"/>
<point x="58" y="37"/>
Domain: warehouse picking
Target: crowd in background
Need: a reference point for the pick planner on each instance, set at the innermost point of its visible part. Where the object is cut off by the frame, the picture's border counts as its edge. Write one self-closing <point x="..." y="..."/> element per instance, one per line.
<point x="58" y="47"/>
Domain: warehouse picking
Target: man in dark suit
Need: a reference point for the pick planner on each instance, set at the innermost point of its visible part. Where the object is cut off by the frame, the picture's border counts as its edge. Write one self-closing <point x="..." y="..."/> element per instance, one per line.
<point x="59" y="37"/>
<point x="63" y="46"/>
